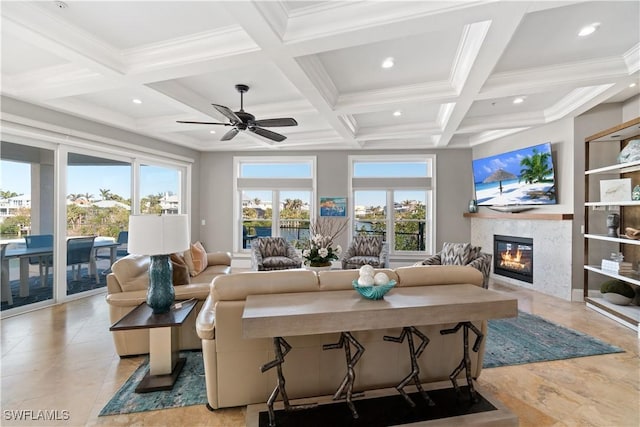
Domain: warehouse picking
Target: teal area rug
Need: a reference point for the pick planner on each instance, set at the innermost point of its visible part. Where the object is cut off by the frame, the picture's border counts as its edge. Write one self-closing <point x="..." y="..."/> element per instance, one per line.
<point x="523" y="339"/>
<point x="529" y="338"/>
<point x="188" y="390"/>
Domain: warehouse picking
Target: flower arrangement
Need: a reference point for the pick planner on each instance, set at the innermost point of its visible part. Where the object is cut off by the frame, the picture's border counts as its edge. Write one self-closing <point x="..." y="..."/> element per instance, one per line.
<point x="322" y="248"/>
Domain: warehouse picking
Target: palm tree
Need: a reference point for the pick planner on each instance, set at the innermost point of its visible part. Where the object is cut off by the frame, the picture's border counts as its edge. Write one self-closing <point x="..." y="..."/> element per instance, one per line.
<point x="256" y="201"/>
<point x="74" y="196"/>
<point x="87" y="196"/>
<point x="535" y="167"/>
<point x="105" y="194"/>
<point x="4" y="194"/>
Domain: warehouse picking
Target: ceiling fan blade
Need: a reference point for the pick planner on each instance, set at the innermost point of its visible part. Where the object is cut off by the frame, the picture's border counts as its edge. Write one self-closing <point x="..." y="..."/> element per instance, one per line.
<point x="204" y="123"/>
<point x="227" y="113"/>
<point x="284" y="121"/>
<point x="268" y="134"/>
<point x="229" y="135"/>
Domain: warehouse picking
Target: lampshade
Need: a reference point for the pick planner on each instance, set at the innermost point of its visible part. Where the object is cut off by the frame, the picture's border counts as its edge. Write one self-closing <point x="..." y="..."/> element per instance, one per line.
<point x="158" y="234"/>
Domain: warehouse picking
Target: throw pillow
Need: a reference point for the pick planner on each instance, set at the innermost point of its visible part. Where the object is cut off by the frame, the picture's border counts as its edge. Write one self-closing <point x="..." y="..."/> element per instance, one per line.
<point x="455" y="253"/>
<point x="199" y="259"/>
<point x="180" y="275"/>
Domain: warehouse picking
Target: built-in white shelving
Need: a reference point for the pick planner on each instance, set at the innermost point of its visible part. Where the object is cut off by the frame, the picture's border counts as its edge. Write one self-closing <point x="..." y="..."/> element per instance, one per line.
<point x="620" y="239"/>
<point x="628" y="315"/>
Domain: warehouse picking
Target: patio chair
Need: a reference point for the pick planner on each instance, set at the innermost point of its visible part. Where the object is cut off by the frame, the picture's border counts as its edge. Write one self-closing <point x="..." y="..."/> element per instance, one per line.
<point x="247" y="238"/>
<point x="79" y="252"/>
<point x="43" y="261"/>
<point x="273" y="253"/>
<point x="371" y="250"/>
<point x="123" y="241"/>
<point x="462" y="254"/>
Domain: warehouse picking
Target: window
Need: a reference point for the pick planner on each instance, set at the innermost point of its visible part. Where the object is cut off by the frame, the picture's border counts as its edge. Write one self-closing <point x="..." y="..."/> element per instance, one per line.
<point x="274" y="197"/>
<point x="393" y="197"/>
<point x="159" y="190"/>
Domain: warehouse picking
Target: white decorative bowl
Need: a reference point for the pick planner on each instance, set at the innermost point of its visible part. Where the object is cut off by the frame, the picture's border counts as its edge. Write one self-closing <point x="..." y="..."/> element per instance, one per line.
<point x="617" y="298"/>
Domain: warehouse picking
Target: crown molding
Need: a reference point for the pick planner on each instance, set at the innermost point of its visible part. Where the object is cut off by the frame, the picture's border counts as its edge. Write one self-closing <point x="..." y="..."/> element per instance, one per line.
<point x="542" y="79"/>
<point x="632" y="59"/>
<point x="573" y="101"/>
<point x="276" y="14"/>
<point x="471" y="41"/>
<point x="383" y="99"/>
<point x="318" y="76"/>
<point x="204" y="46"/>
<point x="444" y="113"/>
<point x="398" y="131"/>
<point x="505" y="121"/>
<point x="491" y="135"/>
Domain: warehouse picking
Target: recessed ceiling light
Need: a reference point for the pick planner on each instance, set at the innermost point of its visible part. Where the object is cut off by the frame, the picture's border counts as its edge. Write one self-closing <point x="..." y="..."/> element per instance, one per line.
<point x="518" y="100"/>
<point x="387" y="63"/>
<point x="397" y="113"/>
<point x="632" y="85"/>
<point x="212" y="131"/>
<point x="588" y="29"/>
<point x="136" y="101"/>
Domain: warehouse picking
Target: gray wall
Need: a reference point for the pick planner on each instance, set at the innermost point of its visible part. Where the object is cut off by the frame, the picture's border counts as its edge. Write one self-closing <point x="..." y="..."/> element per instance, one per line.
<point x="453" y="181"/>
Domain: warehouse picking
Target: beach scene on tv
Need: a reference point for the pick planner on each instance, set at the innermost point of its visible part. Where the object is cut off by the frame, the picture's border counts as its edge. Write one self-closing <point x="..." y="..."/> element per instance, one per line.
<point x="520" y="177"/>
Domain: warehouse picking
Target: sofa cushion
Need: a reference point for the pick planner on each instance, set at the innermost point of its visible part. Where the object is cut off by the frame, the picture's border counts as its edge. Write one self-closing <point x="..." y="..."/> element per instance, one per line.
<point x="236" y="287"/>
<point x="180" y="274"/>
<point x="199" y="258"/>
<point x="433" y="275"/>
<point x="132" y="272"/>
<point x="455" y="253"/>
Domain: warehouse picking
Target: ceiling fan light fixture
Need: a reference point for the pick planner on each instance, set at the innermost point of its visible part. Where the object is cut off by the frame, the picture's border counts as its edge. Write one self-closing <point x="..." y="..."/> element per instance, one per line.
<point x="588" y="29"/>
<point x="388" y="63"/>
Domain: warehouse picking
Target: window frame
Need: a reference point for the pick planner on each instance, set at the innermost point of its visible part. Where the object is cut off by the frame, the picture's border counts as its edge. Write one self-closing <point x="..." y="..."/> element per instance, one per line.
<point x="390" y="185"/>
<point x="281" y="184"/>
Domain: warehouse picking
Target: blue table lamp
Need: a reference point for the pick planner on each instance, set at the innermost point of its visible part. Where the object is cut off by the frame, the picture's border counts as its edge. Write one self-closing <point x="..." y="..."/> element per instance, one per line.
<point x="159" y="236"/>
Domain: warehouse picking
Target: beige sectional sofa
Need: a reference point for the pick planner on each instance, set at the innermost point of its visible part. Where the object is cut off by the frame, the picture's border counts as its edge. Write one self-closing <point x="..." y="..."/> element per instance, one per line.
<point x="232" y="363"/>
<point x="127" y="287"/>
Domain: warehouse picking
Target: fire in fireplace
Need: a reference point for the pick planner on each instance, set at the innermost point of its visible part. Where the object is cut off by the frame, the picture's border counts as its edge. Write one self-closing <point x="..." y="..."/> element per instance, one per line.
<point x="513" y="257"/>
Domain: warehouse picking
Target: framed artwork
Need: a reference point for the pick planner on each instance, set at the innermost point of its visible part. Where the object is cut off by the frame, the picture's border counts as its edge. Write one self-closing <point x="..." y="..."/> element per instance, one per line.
<point x="333" y="206"/>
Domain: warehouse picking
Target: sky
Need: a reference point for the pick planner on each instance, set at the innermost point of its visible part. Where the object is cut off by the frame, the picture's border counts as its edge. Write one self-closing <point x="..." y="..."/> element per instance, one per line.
<point x="90" y="179"/>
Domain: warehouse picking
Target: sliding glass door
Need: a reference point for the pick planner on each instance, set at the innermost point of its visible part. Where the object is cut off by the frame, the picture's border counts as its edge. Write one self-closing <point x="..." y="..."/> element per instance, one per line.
<point x="26" y="225"/>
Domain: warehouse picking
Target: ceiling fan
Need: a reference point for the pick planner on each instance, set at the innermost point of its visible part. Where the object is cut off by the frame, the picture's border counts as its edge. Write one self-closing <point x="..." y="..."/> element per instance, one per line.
<point x="241" y="120"/>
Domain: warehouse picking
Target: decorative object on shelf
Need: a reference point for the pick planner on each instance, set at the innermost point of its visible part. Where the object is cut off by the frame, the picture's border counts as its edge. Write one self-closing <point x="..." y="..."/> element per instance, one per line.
<point x="616" y="264"/>
<point x="617" y="292"/>
<point x="322" y="248"/>
<point x="632" y="233"/>
<point x="374" y="291"/>
<point x="371" y="285"/>
<point x="631" y="152"/>
<point x="615" y="190"/>
<point x="613" y="222"/>
<point x="159" y="236"/>
<point x="473" y="206"/>
<point x="511" y="208"/>
<point x="635" y="194"/>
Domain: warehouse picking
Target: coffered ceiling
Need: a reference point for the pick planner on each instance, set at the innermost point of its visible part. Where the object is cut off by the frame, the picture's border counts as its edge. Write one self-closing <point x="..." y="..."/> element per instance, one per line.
<point x="458" y="66"/>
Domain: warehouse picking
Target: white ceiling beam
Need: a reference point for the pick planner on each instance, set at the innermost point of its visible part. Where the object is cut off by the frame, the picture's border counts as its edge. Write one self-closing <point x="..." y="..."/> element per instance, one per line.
<point x="262" y="31"/>
<point x="503" y="26"/>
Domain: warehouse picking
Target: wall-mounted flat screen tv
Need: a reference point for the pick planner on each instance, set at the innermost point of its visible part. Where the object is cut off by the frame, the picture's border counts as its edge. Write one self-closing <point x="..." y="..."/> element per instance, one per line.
<point x="520" y="177"/>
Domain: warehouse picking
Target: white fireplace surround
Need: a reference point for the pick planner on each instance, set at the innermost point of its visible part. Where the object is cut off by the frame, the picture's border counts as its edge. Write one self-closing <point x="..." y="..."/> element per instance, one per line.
<point x="551" y="250"/>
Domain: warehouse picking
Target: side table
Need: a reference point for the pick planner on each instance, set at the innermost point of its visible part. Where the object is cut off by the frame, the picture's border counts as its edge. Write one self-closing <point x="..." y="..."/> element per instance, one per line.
<point x="164" y="363"/>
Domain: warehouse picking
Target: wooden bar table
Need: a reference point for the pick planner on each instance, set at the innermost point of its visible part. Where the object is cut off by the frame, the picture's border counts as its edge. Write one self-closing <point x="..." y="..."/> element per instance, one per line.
<point x="307" y="313"/>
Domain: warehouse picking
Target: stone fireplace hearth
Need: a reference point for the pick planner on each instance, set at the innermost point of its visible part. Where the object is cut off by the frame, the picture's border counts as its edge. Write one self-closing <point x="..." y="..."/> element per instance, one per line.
<point x="552" y="271"/>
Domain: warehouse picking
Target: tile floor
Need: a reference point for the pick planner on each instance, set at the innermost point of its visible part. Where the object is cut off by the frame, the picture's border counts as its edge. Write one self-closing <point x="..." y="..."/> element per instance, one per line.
<point x="62" y="358"/>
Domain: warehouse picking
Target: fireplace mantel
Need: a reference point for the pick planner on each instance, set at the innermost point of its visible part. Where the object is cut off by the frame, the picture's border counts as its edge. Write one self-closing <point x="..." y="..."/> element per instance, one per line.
<point x="522" y="215"/>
